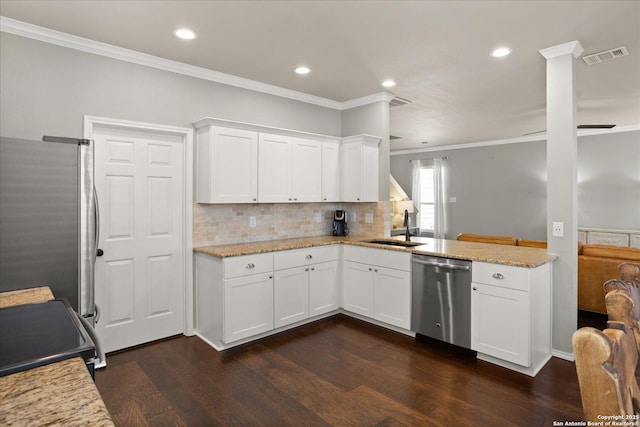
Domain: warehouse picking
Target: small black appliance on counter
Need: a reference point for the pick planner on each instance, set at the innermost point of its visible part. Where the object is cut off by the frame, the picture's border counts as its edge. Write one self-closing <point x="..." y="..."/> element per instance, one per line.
<point x="340" y="223"/>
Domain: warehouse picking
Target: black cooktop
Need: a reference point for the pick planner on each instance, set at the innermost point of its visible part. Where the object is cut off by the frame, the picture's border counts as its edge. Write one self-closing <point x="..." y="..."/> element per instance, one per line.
<point x="33" y="335"/>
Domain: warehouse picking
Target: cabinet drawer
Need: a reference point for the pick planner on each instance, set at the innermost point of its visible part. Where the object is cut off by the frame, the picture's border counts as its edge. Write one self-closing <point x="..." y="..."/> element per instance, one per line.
<point x="379" y="257"/>
<point x="248" y="264"/>
<point x="505" y="276"/>
<point x="300" y="257"/>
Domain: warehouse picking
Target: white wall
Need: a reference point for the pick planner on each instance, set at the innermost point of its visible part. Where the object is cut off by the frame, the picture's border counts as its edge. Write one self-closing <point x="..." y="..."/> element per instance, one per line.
<point x="46" y="89"/>
<point x="501" y="189"/>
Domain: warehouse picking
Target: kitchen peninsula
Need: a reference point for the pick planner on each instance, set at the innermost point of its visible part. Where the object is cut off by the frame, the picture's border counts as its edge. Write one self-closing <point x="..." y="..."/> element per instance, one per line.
<point x="239" y="300"/>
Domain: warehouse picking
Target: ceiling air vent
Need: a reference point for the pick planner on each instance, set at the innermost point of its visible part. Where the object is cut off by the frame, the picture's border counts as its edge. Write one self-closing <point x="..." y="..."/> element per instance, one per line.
<point x="607" y="55"/>
<point x="397" y="102"/>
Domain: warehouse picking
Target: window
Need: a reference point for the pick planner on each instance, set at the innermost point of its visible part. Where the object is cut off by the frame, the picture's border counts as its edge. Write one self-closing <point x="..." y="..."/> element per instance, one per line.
<point x="428" y="194"/>
<point x="426" y="216"/>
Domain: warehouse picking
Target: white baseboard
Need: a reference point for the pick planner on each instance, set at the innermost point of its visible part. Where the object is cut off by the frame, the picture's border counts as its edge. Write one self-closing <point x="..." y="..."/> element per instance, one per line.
<point x="563" y="355"/>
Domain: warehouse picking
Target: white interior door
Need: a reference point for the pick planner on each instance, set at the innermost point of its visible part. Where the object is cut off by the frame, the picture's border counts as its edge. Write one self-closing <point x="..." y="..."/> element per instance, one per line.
<point x="139" y="279"/>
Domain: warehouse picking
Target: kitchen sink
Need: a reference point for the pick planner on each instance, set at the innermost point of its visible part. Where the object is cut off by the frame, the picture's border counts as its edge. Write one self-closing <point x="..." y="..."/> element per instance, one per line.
<point x="400" y="243"/>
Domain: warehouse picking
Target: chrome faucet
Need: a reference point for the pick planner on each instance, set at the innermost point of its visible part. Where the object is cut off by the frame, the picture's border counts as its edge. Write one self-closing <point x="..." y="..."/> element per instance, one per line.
<point x="407" y="234"/>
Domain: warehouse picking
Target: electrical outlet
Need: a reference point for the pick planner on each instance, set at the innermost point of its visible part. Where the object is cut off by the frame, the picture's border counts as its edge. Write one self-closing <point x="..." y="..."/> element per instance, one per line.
<point x="252" y="221"/>
<point x="558" y="229"/>
<point x="318" y="217"/>
<point x="368" y="218"/>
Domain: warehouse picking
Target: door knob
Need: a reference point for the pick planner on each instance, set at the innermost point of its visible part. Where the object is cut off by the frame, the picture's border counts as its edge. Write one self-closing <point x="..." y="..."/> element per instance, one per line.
<point x="99" y="252"/>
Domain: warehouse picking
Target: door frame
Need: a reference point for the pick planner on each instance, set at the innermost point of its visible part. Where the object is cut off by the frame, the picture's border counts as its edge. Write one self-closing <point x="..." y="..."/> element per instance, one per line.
<point x="186" y="134"/>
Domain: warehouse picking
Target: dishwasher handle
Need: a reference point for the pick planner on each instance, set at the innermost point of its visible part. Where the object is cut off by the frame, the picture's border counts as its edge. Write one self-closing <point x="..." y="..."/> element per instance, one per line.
<point x="442" y="264"/>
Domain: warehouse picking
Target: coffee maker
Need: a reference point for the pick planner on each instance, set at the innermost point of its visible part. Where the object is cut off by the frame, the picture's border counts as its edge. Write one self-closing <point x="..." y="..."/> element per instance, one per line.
<point x="340" y="223"/>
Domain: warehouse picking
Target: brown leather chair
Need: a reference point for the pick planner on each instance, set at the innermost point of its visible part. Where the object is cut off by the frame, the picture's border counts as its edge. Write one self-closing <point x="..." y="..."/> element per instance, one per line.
<point x="606" y="362"/>
<point x="532" y="243"/>
<point x="479" y="238"/>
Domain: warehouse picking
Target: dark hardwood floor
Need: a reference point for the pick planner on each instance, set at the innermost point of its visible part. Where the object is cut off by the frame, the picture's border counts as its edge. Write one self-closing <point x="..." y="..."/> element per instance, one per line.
<point x="337" y="371"/>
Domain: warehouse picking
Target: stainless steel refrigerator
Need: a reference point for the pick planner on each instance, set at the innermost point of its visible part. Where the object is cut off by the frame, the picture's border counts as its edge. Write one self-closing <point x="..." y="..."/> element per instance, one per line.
<point x="49" y="220"/>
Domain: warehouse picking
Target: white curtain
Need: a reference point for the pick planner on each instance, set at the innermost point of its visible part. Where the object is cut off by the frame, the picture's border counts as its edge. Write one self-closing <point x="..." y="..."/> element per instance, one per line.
<point x="415" y="189"/>
<point x="439" y="226"/>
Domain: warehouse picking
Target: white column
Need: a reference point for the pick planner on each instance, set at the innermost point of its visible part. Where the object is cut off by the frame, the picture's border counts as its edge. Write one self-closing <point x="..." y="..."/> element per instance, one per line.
<point x="562" y="183"/>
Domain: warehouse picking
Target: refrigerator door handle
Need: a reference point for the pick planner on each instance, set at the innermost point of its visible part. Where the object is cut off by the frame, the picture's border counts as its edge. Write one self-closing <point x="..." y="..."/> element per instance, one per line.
<point x="97" y="252"/>
<point x="96" y="314"/>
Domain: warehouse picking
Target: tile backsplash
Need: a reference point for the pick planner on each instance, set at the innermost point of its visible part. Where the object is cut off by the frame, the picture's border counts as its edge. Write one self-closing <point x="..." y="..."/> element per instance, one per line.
<point x="226" y="224"/>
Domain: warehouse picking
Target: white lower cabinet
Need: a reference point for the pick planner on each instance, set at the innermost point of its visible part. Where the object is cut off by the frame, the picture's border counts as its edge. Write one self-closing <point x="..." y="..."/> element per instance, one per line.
<point x="372" y="288"/>
<point x="309" y="289"/>
<point x="234" y="297"/>
<point x="324" y="288"/>
<point x="492" y="334"/>
<point x="393" y="297"/>
<point x="248" y="306"/>
<point x="291" y="295"/>
<point x="357" y="288"/>
<point x="511" y="314"/>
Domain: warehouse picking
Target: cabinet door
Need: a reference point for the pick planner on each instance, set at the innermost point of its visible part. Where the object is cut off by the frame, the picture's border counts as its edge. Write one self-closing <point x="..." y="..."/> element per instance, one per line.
<point x="306" y="177"/>
<point x="351" y="171"/>
<point x="324" y="288"/>
<point x="248" y="306"/>
<point x="227" y="165"/>
<point x="393" y="297"/>
<point x="369" y="177"/>
<point x="291" y="295"/>
<point x="357" y="288"/>
<point x="331" y="172"/>
<point x="500" y="323"/>
<point x="274" y="168"/>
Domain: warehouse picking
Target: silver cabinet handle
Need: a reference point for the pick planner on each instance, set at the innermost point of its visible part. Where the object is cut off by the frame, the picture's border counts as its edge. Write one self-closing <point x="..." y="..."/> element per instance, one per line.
<point x="375" y="269"/>
<point x="306" y="269"/>
<point x="271" y="276"/>
<point x="250" y="265"/>
<point x="313" y="269"/>
<point x="370" y="269"/>
<point x="498" y="276"/>
<point x="475" y="289"/>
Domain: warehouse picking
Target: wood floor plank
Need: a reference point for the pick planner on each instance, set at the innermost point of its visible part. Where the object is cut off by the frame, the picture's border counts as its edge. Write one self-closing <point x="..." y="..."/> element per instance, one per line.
<point x="338" y="371"/>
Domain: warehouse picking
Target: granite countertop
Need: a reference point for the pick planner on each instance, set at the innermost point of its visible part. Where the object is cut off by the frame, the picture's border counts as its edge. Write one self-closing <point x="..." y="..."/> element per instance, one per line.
<point x="25" y="296"/>
<point x="498" y="254"/>
<point x="61" y="393"/>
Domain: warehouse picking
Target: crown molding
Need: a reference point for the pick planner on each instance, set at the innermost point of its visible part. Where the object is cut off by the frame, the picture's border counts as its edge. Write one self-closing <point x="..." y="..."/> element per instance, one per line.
<point x="574" y="48"/>
<point x="59" y="38"/>
<point x="532" y="138"/>
<point x="365" y="100"/>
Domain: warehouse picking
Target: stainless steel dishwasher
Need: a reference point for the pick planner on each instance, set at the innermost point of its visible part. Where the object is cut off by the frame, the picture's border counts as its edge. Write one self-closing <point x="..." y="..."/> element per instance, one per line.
<point x="441" y="299"/>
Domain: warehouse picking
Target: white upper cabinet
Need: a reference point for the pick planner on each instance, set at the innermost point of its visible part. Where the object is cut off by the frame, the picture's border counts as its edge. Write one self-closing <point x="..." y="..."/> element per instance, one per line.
<point x="246" y="163"/>
<point x="274" y="168"/>
<point x="359" y="156"/>
<point x="289" y="169"/>
<point x="331" y="171"/>
<point x="227" y="162"/>
<point x="306" y="178"/>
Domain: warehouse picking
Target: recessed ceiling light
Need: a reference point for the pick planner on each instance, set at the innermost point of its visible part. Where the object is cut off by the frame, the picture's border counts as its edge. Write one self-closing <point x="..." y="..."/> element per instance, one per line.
<point x="388" y="83"/>
<point x="303" y="70"/>
<point x="185" y="34"/>
<point x="500" y="52"/>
